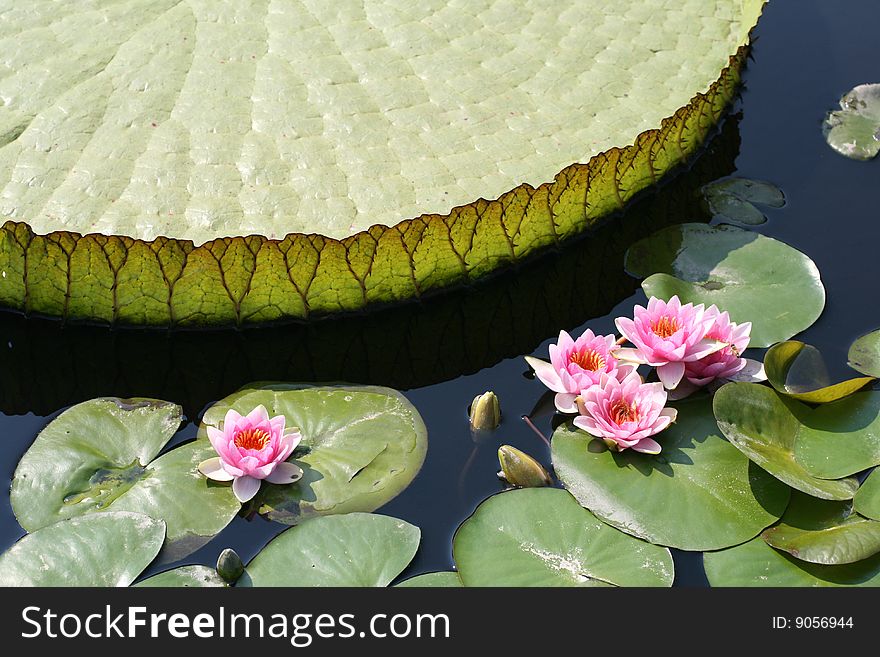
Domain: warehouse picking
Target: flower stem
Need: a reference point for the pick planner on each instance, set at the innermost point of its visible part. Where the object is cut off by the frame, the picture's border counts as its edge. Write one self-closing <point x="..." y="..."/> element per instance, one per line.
<point x="532" y="426"/>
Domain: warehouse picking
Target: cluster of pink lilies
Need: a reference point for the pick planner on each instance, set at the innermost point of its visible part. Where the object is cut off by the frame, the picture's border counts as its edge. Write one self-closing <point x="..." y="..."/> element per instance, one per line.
<point x="690" y="347"/>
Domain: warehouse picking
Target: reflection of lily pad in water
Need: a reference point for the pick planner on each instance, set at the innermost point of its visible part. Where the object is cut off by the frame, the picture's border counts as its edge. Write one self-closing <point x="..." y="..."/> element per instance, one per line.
<point x="735" y="200"/>
<point x="100" y="456"/>
<point x="361" y="446"/>
<point x="351" y="158"/>
<point x="854" y="130"/>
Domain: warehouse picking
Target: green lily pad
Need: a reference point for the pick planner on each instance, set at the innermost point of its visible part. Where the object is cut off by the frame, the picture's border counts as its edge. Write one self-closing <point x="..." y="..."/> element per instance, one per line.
<point x="543" y="537"/>
<point x="106" y="549"/>
<point x="97" y="456"/>
<point x="867" y="499"/>
<point x="447" y="579"/>
<point x="361" y="446"/>
<point x="854" y="129"/>
<point x="755" y="278"/>
<point x="864" y="354"/>
<point x="734" y="199"/>
<point x="823" y="531"/>
<point x="185" y="577"/>
<point x="698" y="493"/>
<point x="757" y="564"/>
<point x="356" y="549"/>
<point x="798" y="370"/>
<point x="841" y="438"/>
<point x="763" y="426"/>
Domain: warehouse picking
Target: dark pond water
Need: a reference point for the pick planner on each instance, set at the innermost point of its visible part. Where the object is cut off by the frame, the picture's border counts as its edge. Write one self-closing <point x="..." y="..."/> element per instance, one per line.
<point x="443" y="352"/>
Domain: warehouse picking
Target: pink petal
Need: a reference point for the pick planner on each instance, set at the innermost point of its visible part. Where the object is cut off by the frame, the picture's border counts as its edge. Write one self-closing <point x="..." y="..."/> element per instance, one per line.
<point x="629" y="355"/>
<point x="670" y="374"/>
<point x="245" y="488"/>
<point x="231" y="469"/>
<point x="259" y="414"/>
<point x="647" y="446"/>
<point x="231" y="419"/>
<point x="285" y="473"/>
<point x="546" y="373"/>
<point x="213" y="469"/>
<point x="752" y="372"/>
<point x="565" y="402"/>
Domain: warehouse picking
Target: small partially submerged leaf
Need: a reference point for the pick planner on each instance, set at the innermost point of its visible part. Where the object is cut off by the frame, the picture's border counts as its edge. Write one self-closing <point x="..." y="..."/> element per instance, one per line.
<point x="356" y="549"/>
<point x="867" y="499"/>
<point x="854" y="130"/>
<point x="99" y="456"/>
<point x="448" y="579"/>
<point x="763" y="426"/>
<point x="822" y="531"/>
<point x="798" y="370"/>
<point x="104" y="549"/>
<point x="185" y="577"/>
<point x="698" y="493"/>
<point x="757" y="564"/>
<point x="734" y="200"/>
<point x="543" y="537"/>
<point x="864" y="354"/>
<point x="755" y="278"/>
<point x="361" y="446"/>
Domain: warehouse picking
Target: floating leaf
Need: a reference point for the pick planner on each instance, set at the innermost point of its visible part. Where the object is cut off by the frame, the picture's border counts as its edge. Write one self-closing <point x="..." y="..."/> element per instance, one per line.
<point x="361" y="446"/>
<point x="432" y="580"/>
<point x="698" y="493"/>
<point x="765" y="428"/>
<point x="854" y="130"/>
<point x="757" y="564"/>
<point x="797" y="370"/>
<point x="105" y="549"/>
<point x="755" y="278"/>
<point x="867" y="499"/>
<point x="543" y="537"/>
<point x="356" y="549"/>
<point x="354" y="184"/>
<point x="822" y="531"/>
<point x="734" y="199"/>
<point x="864" y="354"/>
<point x="97" y="456"/>
<point x="841" y="438"/>
<point x="185" y="577"/>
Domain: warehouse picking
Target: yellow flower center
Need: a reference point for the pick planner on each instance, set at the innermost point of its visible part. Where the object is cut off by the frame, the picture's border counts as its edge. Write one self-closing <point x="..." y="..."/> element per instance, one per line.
<point x="252" y="439"/>
<point x="665" y="326"/>
<point x="622" y="412"/>
<point x="589" y="359"/>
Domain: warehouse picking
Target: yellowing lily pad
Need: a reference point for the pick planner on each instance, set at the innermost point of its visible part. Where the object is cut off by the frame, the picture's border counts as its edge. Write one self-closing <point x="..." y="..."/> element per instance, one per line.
<point x="797" y="370"/>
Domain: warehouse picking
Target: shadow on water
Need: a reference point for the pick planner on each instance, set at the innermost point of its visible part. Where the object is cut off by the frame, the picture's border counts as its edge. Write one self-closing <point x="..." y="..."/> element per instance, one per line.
<point x="48" y="365"/>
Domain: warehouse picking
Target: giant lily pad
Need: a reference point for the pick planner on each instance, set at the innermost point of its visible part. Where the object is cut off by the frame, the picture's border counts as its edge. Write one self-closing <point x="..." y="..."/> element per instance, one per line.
<point x="841" y="438"/>
<point x="330" y="158"/>
<point x="99" y="456"/>
<point x="542" y="537"/>
<point x="755" y="278"/>
<point x="854" y="129"/>
<point x="826" y="532"/>
<point x="765" y="428"/>
<point x="185" y="577"/>
<point x="106" y="549"/>
<point x="797" y="370"/>
<point x="734" y="200"/>
<point x="867" y="499"/>
<point x="698" y="493"/>
<point x="446" y="579"/>
<point x="361" y="446"/>
<point x="356" y="549"/>
<point x="757" y="564"/>
<point x="864" y="354"/>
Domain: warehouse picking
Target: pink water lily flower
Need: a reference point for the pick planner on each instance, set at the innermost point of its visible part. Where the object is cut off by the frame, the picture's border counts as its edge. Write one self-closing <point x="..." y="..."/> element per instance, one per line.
<point x="726" y="363"/>
<point x="667" y="335"/>
<point x="624" y="414"/>
<point x="575" y="365"/>
<point x="252" y="447"/>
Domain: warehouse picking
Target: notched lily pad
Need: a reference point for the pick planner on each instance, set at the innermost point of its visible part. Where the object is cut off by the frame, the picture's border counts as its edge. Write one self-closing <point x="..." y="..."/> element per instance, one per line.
<point x="543" y="537"/>
<point x="361" y="446"/>
<point x="734" y="200"/>
<point x="854" y="129"/>
<point x="755" y="278"/>
<point x="103" y="549"/>
<point x="824" y="532"/>
<point x="699" y="493"/>
<point x="864" y="354"/>
<point x="798" y="370"/>
<point x="100" y="455"/>
<point x="764" y="427"/>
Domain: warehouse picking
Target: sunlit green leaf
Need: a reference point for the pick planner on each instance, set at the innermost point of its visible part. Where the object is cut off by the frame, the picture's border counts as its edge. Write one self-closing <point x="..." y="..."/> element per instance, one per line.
<point x="797" y="370"/>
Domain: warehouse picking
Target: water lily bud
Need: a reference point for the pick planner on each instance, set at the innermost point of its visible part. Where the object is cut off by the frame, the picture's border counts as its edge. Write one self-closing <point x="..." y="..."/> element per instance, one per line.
<point x="520" y="469"/>
<point x="485" y="412"/>
<point x="229" y="565"/>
